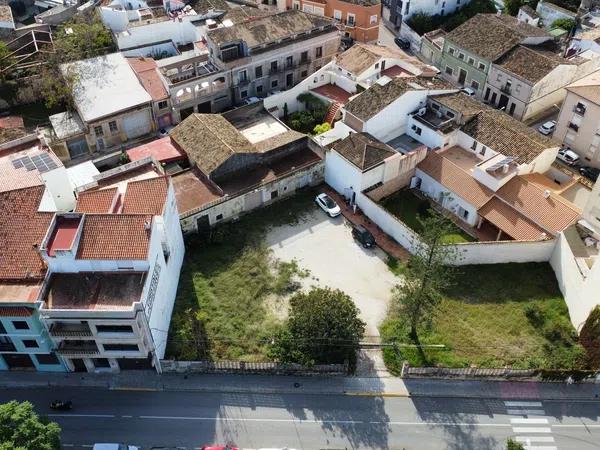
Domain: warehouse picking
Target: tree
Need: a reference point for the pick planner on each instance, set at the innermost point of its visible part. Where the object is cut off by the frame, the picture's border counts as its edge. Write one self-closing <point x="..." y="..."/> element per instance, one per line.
<point x="590" y="338"/>
<point x="22" y="429"/>
<point x="513" y="445"/>
<point x="427" y="274"/>
<point x="323" y="328"/>
<point x="564" y="23"/>
<point x="511" y="7"/>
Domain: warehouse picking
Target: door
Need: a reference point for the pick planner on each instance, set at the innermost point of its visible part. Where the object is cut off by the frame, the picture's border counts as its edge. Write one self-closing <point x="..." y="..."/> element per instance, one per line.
<point x="18" y="361"/>
<point x="78" y="365"/>
<point x="77" y="147"/>
<point x="202" y="223"/>
<point x="462" y="76"/>
<point x="289" y="79"/>
<point x="204" y="108"/>
<point x="137" y="124"/>
<point x="493" y="100"/>
<point x="503" y="101"/>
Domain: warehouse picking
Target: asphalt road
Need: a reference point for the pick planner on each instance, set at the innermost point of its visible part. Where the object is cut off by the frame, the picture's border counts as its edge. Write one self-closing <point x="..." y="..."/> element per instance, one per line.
<point x="315" y="421"/>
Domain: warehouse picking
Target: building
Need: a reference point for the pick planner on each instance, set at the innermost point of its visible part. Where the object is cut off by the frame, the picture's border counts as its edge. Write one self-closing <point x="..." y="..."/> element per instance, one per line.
<point x="113" y="270"/>
<point x="358" y="19"/>
<point x="528" y="15"/>
<point x="578" y="124"/>
<point x="397" y="11"/>
<point x="432" y="46"/>
<point x="548" y="12"/>
<point x="528" y="80"/>
<point x="470" y="49"/>
<point x="240" y="161"/>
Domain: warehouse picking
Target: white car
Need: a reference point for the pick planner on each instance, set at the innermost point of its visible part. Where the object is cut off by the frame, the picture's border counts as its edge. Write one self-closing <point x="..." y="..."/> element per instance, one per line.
<point x="115" y="447"/>
<point x="251" y="100"/>
<point x="567" y="156"/>
<point x="467" y="90"/>
<point x="547" y="128"/>
<point x="327" y="204"/>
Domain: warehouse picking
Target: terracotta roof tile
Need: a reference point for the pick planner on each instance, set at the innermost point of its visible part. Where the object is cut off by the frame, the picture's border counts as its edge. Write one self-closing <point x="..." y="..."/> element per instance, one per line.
<point x="146" y="196"/>
<point x="510" y="221"/>
<point x="99" y="202"/>
<point x="115" y="236"/>
<point x="456" y="179"/>
<point x="146" y="71"/>
<point x="21" y="227"/>
<point x="551" y="212"/>
<point x="363" y="150"/>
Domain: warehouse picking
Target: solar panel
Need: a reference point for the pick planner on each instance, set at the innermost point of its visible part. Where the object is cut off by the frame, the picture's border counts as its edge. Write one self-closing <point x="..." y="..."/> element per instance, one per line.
<point x="28" y="163"/>
<point x="17" y="163"/>
<point x="501" y="163"/>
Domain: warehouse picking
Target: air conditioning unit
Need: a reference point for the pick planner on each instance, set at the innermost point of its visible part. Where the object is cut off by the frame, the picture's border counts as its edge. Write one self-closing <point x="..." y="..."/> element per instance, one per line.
<point x="421" y="112"/>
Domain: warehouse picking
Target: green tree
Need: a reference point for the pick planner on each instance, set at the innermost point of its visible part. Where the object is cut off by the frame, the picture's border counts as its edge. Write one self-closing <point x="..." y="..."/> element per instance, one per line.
<point x="323" y="328"/>
<point x="511" y="7"/>
<point x="590" y="338"/>
<point x="565" y="24"/>
<point x="22" y="429"/>
<point x="427" y="274"/>
<point x="513" y="445"/>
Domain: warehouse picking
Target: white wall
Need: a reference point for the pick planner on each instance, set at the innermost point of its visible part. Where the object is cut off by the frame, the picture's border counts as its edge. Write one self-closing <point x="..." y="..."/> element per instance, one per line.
<point x="341" y="174"/>
<point x="504" y="252"/>
<point x="549" y="14"/>
<point x="428" y="136"/>
<point x="181" y="33"/>
<point x="114" y="19"/>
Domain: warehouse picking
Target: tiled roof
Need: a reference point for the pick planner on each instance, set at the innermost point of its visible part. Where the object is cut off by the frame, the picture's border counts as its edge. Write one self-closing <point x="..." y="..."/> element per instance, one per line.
<point x="489" y="36"/>
<point x="530" y="63"/>
<point x="377" y="97"/>
<point x="204" y="6"/>
<point x="510" y="221"/>
<point x="360" y="57"/>
<point x="22" y="227"/>
<point x="209" y="140"/>
<point x="363" y="150"/>
<point x="268" y="29"/>
<point x="506" y="135"/>
<point x="460" y="102"/>
<point x="145" y="70"/>
<point x="551" y="212"/>
<point x="98" y="202"/>
<point x="455" y="179"/>
<point x="146" y="196"/>
<point x="162" y="150"/>
<point x="12" y="177"/>
<point x="115" y="236"/>
<point x="587" y="87"/>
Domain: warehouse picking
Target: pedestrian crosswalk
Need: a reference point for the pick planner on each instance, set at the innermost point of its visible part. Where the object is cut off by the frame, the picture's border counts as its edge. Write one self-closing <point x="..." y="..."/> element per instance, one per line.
<point x="531" y="428"/>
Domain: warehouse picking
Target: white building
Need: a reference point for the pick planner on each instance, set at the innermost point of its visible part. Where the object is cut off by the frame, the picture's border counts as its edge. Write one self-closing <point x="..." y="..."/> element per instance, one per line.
<point x="113" y="271"/>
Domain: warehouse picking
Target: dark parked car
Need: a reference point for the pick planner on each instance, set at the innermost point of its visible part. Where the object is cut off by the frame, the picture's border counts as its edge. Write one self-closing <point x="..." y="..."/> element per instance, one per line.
<point x="403" y="44"/>
<point x="364" y="236"/>
<point x="590" y="172"/>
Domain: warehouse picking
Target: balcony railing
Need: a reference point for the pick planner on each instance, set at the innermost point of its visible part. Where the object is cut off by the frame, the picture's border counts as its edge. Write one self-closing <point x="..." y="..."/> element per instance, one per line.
<point x="579" y="110"/>
<point x="69" y="330"/>
<point x="68" y="349"/>
<point x="506" y="89"/>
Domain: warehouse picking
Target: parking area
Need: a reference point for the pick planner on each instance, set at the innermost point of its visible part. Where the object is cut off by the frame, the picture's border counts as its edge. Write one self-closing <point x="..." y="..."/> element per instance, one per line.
<point x="326" y="248"/>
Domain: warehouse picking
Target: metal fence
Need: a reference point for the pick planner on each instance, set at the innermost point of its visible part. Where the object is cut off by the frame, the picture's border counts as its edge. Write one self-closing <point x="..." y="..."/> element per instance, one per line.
<point x="244" y="367"/>
<point x="467" y="372"/>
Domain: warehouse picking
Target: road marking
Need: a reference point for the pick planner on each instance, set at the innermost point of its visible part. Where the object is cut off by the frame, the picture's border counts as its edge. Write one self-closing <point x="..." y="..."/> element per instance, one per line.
<point x="583" y="425"/>
<point x="526" y="430"/>
<point x="135" y="389"/>
<point x="516" y="404"/>
<point x="127" y="417"/>
<point x="537" y="447"/>
<point x="530" y="421"/>
<point x="526" y="412"/>
<point x="83" y="415"/>
<point x="529" y="439"/>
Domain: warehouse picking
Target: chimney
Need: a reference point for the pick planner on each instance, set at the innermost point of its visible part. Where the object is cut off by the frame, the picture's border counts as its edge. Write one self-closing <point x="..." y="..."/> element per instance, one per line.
<point x="36" y="248"/>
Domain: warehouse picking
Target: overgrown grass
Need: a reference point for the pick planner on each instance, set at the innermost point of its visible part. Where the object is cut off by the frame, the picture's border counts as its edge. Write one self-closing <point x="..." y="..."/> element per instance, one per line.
<point x="225" y="280"/>
<point x="494" y="316"/>
<point x="408" y="207"/>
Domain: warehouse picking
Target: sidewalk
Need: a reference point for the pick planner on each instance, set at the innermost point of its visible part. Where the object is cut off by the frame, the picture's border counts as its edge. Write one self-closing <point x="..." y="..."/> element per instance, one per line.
<point x="270" y="384"/>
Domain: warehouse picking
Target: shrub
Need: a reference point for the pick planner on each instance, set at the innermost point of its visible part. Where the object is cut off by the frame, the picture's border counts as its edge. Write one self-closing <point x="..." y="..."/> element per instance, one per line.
<point x="590" y="338"/>
<point x="535" y="314"/>
<point x="565" y="24"/>
<point x="513" y="445"/>
<point x="422" y="23"/>
<point x="319" y="129"/>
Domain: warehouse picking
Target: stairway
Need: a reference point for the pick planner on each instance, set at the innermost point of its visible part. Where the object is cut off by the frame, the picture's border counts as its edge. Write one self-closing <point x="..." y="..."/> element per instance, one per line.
<point x="331" y="113"/>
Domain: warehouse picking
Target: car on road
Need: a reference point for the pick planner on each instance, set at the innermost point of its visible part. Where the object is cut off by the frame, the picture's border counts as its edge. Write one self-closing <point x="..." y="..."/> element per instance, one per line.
<point x="327" y="204"/>
<point x="567" y="156"/>
<point x="469" y="91"/>
<point x="402" y="43"/>
<point x="115" y="447"/>
<point x="363" y="236"/>
<point x="547" y="127"/>
<point x="591" y="173"/>
<point x="251" y="100"/>
<point x="219" y="447"/>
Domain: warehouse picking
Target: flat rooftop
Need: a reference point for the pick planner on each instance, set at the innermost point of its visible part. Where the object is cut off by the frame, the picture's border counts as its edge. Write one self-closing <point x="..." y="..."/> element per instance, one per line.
<point x="63" y="234"/>
<point x="462" y="158"/>
<point x="333" y="92"/>
<point x="192" y="191"/>
<point x="19" y="292"/>
<point x="94" y="291"/>
<point x="259" y="127"/>
<point x="404" y="144"/>
<point x="163" y="150"/>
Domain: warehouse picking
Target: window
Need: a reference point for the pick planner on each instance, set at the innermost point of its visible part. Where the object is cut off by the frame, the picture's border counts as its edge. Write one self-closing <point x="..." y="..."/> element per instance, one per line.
<point x="373" y="19"/>
<point x="47" y="359"/>
<point x="274" y="195"/>
<point x="319" y="52"/>
<point x="20" y="325"/>
<point x="377" y="65"/>
<point x="219" y="217"/>
<point x="450" y="51"/>
<point x="289" y="61"/>
<point x="463" y="213"/>
<point x="112" y="126"/>
<point x="101" y="363"/>
<point x="337" y="15"/>
<point x="417" y="130"/>
<point x="474" y="145"/>
<point x="98" y="131"/>
<point x="307" y="8"/>
<point x="242" y="76"/>
<point x="351" y="19"/>
<point x="274" y="83"/>
<point x="244" y="94"/>
<point x="482" y="151"/>
<point x="487" y="94"/>
<point x="296" y="5"/>
<point x="481" y="66"/>
<point x="30" y="343"/>
<point x="319" y="11"/>
<point x="304" y="56"/>
<point x="259" y="89"/>
<point x="304" y="73"/>
<point x="475" y="85"/>
<point x="471" y="61"/>
<point x="121" y="347"/>
<point x="2" y="329"/>
<point x="449" y="70"/>
<point x="461" y="56"/>
<point x="572" y="126"/>
<point x="435" y="106"/>
<point x="512" y="109"/>
<point x="258" y="72"/>
<point x="163" y="104"/>
<point x="450" y="114"/>
<point x="580" y="108"/>
<point x="274" y="66"/>
<point x="114" y="328"/>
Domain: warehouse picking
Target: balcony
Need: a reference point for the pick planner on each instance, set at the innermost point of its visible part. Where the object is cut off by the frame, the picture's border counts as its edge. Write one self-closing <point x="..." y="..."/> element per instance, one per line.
<point x="7" y="347"/>
<point x="66" y="330"/>
<point x="78" y="349"/>
<point x="507" y="89"/>
<point x="578" y="109"/>
<point x="573" y="127"/>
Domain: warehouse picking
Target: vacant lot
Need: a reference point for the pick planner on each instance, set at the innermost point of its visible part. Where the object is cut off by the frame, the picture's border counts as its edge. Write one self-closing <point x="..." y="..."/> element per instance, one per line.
<point x="495" y="315"/>
<point x="408" y="207"/>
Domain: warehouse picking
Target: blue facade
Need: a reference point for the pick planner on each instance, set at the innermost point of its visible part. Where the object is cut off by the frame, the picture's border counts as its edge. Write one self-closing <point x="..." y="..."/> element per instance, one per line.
<point x="25" y="343"/>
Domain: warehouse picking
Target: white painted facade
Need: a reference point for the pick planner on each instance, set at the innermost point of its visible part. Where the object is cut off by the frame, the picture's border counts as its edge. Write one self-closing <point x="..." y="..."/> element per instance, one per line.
<point x="429" y="7"/>
<point x="548" y="13"/>
<point x="180" y="33"/>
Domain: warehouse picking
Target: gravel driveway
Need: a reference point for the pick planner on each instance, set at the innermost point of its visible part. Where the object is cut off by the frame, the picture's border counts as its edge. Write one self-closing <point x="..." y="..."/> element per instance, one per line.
<point x="326" y="248"/>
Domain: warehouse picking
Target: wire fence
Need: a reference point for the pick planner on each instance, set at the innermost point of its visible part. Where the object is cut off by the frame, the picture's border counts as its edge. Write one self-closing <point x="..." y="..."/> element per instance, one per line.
<point x="247" y="367"/>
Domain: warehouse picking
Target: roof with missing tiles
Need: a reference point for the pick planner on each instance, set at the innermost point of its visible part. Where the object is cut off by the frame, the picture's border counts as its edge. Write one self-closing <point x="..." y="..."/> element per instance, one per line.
<point x="531" y="63"/>
<point x="363" y="150"/>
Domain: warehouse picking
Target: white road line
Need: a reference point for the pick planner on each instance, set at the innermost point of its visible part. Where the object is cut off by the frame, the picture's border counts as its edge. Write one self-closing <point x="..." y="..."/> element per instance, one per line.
<point x="538" y="447"/>
<point x="127" y="417"/>
<point x="83" y="415"/>
<point x="583" y="425"/>
<point x="525" y="430"/>
<point x="518" y="404"/>
<point x="526" y="412"/>
<point x="530" y="439"/>
<point x="530" y="421"/>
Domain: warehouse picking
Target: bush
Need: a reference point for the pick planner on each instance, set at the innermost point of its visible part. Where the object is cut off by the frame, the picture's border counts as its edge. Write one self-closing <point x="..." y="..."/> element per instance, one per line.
<point x="565" y="24"/>
<point x="513" y="445"/>
<point x="319" y="129"/>
<point x="590" y="338"/>
<point x="422" y="23"/>
<point x="535" y="314"/>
